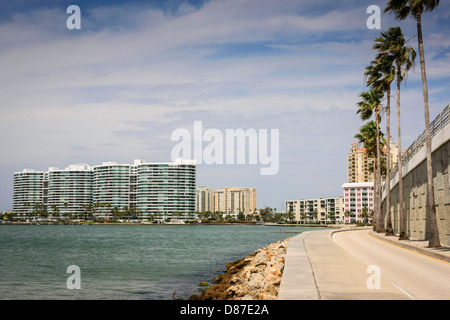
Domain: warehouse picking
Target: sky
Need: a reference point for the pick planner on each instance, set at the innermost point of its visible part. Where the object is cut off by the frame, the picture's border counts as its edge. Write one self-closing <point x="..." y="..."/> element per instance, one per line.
<point x="136" y="71"/>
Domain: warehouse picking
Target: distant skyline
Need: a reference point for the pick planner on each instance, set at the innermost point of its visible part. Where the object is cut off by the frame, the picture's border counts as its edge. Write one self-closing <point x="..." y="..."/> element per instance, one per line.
<point x="116" y="89"/>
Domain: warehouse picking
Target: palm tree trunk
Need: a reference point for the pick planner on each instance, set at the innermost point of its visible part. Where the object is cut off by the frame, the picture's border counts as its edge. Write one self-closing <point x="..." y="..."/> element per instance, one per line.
<point x="389" y="229"/>
<point x="403" y="234"/>
<point x="375" y="195"/>
<point x="380" y="222"/>
<point x="434" y="232"/>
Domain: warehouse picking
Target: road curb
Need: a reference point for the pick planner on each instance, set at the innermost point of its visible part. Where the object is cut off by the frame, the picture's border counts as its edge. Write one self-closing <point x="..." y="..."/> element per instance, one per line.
<point x="425" y="251"/>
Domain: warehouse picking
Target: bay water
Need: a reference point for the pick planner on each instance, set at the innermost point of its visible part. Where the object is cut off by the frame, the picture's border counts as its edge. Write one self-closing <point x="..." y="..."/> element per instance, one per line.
<point x="126" y="262"/>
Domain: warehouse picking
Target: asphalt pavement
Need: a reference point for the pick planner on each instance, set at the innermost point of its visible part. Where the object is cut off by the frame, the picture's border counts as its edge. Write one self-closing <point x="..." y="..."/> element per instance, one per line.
<point x="318" y="268"/>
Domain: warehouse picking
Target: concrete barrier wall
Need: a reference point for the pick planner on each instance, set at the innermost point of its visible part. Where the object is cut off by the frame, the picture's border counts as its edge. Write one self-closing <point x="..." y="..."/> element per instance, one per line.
<point x="415" y="191"/>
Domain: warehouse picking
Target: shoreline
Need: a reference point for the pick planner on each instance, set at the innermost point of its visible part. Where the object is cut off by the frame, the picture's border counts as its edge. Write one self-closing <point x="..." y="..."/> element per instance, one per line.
<point x="171" y="224"/>
<point x="254" y="277"/>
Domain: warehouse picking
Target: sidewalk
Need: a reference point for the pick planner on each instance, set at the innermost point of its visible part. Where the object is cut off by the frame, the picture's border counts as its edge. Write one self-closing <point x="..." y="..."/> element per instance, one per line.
<point x="316" y="268"/>
<point x="297" y="282"/>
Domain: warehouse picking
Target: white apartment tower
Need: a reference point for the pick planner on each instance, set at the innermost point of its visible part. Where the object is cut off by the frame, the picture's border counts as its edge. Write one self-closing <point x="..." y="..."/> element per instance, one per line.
<point x="111" y="187"/>
<point x="28" y="190"/>
<point x="142" y="188"/>
<point x="165" y="188"/>
<point x="69" y="191"/>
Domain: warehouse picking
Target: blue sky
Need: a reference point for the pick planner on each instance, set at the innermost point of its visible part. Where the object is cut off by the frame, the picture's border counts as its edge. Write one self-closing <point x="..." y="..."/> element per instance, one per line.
<point x="138" y="70"/>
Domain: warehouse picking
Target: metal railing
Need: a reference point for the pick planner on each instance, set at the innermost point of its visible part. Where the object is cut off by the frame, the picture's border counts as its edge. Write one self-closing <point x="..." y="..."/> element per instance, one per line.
<point x="435" y="127"/>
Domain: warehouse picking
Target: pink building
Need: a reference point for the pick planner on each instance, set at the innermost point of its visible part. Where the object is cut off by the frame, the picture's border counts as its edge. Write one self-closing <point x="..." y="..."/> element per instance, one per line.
<point x="357" y="196"/>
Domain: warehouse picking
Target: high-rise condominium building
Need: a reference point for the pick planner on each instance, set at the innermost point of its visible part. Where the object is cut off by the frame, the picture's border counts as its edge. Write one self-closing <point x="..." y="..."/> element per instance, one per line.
<point x="317" y="210"/>
<point x="204" y="199"/>
<point x="111" y="187"/>
<point x="28" y="190"/>
<point x="145" y="188"/>
<point x="394" y="152"/>
<point x="240" y="200"/>
<point x="69" y="191"/>
<point x="360" y="165"/>
<point x="228" y="200"/>
<point x="165" y="188"/>
<point x="219" y="201"/>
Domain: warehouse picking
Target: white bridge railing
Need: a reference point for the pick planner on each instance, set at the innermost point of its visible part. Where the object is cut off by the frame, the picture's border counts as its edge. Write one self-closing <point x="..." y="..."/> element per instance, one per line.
<point x="435" y="127"/>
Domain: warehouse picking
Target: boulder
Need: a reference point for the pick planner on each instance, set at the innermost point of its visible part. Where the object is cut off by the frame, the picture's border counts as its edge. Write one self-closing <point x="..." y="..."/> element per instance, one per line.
<point x="255" y="277"/>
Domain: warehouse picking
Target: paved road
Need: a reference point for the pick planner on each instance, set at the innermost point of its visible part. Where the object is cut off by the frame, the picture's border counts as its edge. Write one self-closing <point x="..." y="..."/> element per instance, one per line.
<point x="418" y="276"/>
<point x="354" y="265"/>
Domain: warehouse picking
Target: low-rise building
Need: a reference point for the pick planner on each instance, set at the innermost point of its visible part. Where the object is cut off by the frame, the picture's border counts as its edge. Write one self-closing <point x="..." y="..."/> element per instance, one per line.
<point x="322" y="210"/>
<point x="358" y="201"/>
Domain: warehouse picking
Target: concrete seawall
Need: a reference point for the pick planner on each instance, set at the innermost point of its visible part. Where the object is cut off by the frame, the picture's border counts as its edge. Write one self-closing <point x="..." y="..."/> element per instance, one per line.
<point x="416" y="194"/>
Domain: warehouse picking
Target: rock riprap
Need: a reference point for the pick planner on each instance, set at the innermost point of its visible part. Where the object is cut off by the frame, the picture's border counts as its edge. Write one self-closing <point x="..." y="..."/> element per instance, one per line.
<point x="255" y="277"/>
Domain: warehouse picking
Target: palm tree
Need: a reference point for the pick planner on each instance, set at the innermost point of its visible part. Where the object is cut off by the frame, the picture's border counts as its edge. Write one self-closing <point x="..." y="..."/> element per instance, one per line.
<point x="347" y="214"/>
<point x="379" y="75"/>
<point x="315" y="214"/>
<point x="371" y="103"/>
<point x="415" y="8"/>
<point x="392" y="43"/>
<point x="368" y="137"/>
<point x="55" y="210"/>
<point x="332" y="216"/>
<point x="291" y="216"/>
<point x="365" y="214"/>
<point x="303" y="218"/>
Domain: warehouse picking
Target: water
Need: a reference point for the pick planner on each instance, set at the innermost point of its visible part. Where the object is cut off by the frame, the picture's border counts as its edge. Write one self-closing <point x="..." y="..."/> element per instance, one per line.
<point x="122" y="262"/>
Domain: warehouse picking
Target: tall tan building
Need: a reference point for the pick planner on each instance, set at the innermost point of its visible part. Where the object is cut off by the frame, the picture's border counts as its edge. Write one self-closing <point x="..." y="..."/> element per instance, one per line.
<point x="394" y="153"/>
<point x="227" y="200"/>
<point x="240" y="200"/>
<point x="218" y="201"/>
<point x="359" y="164"/>
<point x="204" y="199"/>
